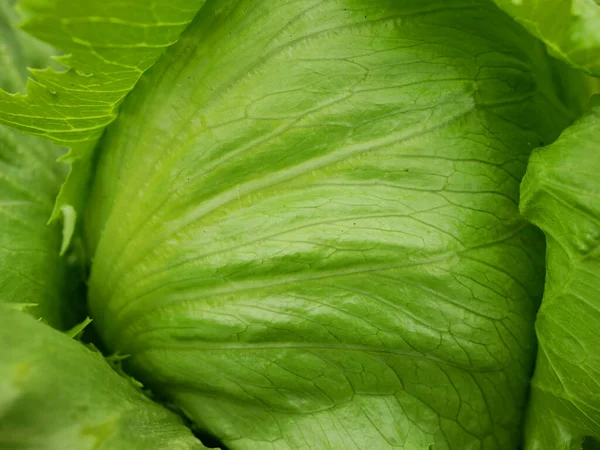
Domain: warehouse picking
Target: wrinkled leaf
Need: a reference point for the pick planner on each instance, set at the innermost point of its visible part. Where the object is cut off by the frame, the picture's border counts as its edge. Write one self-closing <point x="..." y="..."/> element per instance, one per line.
<point x="570" y="28"/>
<point x="305" y="230"/>
<point x="561" y="195"/>
<point x="108" y="45"/>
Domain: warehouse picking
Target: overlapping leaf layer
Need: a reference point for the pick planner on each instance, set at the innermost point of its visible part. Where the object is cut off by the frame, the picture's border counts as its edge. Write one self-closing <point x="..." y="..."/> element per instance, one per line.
<point x="305" y="229"/>
<point x="302" y="222"/>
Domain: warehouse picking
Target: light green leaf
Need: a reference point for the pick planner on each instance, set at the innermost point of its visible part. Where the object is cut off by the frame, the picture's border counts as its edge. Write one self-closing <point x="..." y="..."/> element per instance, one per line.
<point x="570" y="28"/>
<point x="55" y="394"/>
<point x="31" y="271"/>
<point x="304" y="224"/>
<point x="561" y="195"/>
<point x="108" y="46"/>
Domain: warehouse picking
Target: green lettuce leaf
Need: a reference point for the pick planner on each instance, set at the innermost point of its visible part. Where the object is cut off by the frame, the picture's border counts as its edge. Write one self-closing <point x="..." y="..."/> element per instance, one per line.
<point x="570" y="28"/>
<point x="19" y="51"/>
<point x="573" y="86"/>
<point x="304" y="223"/>
<point x="55" y="394"/>
<point x="32" y="274"/>
<point x="108" y="45"/>
<point x="561" y="195"/>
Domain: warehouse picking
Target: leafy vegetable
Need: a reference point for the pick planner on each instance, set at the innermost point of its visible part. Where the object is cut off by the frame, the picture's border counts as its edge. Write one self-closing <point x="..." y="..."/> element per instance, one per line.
<point x="32" y="275"/>
<point x="306" y="234"/>
<point x="56" y="394"/>
<point x="561" y="195"/>
<point x="568" y="27"/>
<point x="301" y="224"/>
<point x="108" y="46"/>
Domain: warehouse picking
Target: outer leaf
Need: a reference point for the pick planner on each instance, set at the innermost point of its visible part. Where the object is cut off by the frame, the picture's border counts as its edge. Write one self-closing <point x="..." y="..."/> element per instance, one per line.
<point x="18" y="51"/>
<point x="109" y="44"/>
<point x="570" y="28"/>
<point x="31" y="272"/>
<point x="55" y="394"/>
<point x="561" y="195"/>
<point x="305" y="229"/>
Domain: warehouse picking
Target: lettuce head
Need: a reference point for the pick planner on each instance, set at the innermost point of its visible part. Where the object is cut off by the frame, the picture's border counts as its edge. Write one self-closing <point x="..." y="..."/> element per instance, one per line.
<point x="308" y="224"/>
